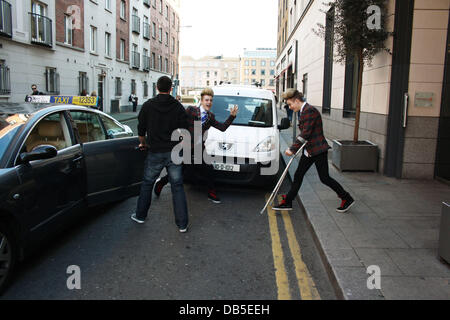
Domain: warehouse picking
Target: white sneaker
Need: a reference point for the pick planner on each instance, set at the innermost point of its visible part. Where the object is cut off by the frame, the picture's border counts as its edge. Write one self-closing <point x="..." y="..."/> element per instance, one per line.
<point x="183" y="230"/>
<point x="133" y="217"/>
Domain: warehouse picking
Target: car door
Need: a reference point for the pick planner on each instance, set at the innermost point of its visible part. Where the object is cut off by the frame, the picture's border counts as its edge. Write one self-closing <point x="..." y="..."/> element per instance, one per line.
<point x="131" y="159"/>
<point x="50" y="190"/>
<point x="109" y="154"/>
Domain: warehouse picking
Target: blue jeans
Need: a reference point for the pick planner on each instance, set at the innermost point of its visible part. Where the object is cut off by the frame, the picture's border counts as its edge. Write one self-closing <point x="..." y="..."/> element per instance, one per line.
<point x="154" y="163"/>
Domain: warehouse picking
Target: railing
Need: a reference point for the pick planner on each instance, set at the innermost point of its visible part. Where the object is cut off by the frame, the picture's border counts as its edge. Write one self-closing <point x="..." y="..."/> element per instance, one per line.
<point x="5" y="82"/>
<point x="135" y="59"/>
<point x="41" y="29"/>
<point x="146" y="32"/>
<point x="135" y="24"/>
<point x="5" y="18"/>
<point x="146" y="62"/>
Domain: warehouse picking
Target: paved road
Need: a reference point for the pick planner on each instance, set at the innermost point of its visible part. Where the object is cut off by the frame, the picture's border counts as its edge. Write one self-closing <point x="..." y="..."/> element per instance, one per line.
<point x="229" y="252"/>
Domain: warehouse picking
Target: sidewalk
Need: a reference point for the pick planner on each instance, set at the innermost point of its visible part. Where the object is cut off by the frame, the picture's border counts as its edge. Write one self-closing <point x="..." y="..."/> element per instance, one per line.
<point x="394" y="224"/>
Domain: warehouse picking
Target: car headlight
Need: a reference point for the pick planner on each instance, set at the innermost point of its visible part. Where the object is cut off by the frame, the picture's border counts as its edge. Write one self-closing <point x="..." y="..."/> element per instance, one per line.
<point x="266" y="145"/>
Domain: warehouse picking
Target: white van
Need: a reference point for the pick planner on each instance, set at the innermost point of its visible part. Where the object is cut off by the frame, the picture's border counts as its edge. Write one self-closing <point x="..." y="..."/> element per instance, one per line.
<point x="248" y="151"/>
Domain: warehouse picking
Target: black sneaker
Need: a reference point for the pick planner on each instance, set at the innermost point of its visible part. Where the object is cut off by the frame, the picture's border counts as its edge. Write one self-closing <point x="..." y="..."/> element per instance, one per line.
<point x="213" y="196"/>
<point x="159" y="185"/>
<point x="345" y="205"/>
<point x="283" y="206"/>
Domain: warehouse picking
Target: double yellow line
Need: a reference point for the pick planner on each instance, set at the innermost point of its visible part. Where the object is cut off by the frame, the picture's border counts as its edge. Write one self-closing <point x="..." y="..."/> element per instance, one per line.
<point x="306" y="285"/>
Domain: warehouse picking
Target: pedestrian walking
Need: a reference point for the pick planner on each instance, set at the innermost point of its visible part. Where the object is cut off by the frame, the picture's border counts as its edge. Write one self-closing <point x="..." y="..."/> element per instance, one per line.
<point x="315" y="152"/>
<point x="134" y="100"/>
<point x="157" y="119"/>
<point x="289" y="112"/>
<point x="203" y="172"/>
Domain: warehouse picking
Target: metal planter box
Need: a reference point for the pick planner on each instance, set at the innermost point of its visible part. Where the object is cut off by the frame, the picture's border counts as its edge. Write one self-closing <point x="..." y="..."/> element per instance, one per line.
<point x="444" y="233"/>
<point x="350" y="156"/>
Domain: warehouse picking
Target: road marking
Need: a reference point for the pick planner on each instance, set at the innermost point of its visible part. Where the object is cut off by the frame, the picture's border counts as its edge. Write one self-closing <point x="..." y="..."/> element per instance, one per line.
<point x="306" y="285"/>
<point x="305" y="282"/>
<point x="278" y="257"/>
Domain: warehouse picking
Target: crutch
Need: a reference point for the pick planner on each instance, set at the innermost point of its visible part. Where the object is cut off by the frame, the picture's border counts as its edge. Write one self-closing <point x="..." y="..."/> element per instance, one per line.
<point x="278" y="185"/>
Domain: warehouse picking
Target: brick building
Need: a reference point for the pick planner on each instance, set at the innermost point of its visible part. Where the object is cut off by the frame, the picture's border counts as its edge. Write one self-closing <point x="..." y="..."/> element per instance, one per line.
<point x="65" y="46"/>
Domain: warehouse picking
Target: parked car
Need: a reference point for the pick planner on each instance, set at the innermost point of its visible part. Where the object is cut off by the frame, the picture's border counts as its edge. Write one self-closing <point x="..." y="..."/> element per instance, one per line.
<point x="55" y="161"/>
<point x="248" y="151"/>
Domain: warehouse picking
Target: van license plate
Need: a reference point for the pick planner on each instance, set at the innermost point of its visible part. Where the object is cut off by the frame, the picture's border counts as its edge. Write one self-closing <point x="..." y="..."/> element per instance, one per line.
<point x="226" y="167"/>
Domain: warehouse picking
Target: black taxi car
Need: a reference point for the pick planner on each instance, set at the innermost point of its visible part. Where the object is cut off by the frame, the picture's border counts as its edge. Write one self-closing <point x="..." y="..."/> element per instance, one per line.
<point x="55" y="161"/>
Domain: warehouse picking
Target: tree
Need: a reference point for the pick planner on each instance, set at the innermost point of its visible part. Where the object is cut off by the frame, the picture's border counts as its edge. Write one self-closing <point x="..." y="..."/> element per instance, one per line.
<point x="360" y="34"/>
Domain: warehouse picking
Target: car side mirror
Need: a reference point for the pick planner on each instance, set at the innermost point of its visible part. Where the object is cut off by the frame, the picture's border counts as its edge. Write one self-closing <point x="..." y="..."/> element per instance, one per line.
<point x="39" y="153"/>
<point x="285" y="124"/>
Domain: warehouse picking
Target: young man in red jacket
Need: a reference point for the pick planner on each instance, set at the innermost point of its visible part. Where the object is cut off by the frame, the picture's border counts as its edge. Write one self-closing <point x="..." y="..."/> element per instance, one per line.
<point x="315" y="151"/>
<point x="203" y="171"/>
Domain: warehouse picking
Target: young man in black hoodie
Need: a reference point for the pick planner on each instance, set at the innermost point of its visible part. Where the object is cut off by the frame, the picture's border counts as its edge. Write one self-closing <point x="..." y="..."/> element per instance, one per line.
<point x="158" y="118"/>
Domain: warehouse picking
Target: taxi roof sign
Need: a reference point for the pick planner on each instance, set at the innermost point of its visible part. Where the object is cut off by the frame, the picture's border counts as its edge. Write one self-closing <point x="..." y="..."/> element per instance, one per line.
<point x="75" y="100"/>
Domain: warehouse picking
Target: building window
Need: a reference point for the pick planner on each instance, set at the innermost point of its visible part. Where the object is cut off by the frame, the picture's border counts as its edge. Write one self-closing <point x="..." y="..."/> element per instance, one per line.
<point x="5" y="82"/>
<point x="253" y="72"/>
<point x="153" y="61"/>
<point x="272" y="72"/>
<point x="93" y="38"/>
<point x="166" y="14"/>
<point x="41" y="25"/>
<point x="160" y="35"/>
<point x="263" y="72"/>
<point x="68" y="30"/>
<point x="328" y="62"/>
<point x="160" y="63"/>
<point x="122" y="49"/>
<point x="107" y="44"/>
<point x="173" y="45"/>
<point x="247" y="72"/>
<point x="154" y="30"/>
<point x="51" y="81"/>
<point x="263" y="82"/>
<point x="118" y="87"/>
<point x="123" y="9"/>
<point x="263" y="63"/>
<point x="247" y="63"/>
<point x="253" y="62"/>
<point x="145" y="88"/>
<point x="207" y="74"/>
<point x="160" y="6"/>
<point x="135" y="22"/>
<point x="272" y="63"/>
<point x="166" y="65"/>
<point x="83" y="82"/>
<point x="351" y="86"/>
<point x="173" y="19"/>
<point x="167" y="38"/>
<point x="272" y="83"/>
<point x="108" y="4"/>
<point x="133" y="86"/>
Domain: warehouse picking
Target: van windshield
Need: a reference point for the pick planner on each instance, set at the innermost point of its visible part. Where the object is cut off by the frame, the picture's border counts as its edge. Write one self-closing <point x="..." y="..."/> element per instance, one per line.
<point x="252" y="111"/>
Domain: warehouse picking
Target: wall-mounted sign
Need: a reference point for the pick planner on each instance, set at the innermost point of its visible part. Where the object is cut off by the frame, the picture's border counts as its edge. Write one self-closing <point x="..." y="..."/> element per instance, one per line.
<point x="424" y="99"/>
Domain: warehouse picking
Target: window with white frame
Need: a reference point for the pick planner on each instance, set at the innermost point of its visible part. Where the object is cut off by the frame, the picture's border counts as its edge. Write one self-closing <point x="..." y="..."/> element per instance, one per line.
<point x="122" y="49"/>
<point x="154" y="30"/>
<point x="83" y="82"/>
<point x="51" y="81"/>
<point x="123" y="8"/>
<point x="93" y="38"/>
<point x="108" y="4"/>
<point x="107" y="44"/>
<point x="68" y="30"/>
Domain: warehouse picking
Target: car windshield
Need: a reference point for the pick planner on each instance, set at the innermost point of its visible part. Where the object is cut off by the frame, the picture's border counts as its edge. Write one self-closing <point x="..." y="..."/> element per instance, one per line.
<point x="252" y="111"/>
<point x="9" y="125"/>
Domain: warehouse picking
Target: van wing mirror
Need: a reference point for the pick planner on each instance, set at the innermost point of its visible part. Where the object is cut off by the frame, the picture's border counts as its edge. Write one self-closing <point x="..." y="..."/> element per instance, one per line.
<point x="285" y="124"/>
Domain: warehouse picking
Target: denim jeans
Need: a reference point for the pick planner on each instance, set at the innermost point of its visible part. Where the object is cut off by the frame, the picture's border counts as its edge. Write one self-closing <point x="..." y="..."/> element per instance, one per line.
<point x="154" y="163"/>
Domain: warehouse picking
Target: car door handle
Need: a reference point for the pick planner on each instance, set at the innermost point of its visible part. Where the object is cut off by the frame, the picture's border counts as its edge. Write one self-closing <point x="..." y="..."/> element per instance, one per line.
<point x="77" y="159"/>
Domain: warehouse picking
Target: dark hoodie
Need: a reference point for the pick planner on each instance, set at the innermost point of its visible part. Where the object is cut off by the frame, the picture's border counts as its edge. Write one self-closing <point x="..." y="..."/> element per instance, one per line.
<point x="159" y="117"/>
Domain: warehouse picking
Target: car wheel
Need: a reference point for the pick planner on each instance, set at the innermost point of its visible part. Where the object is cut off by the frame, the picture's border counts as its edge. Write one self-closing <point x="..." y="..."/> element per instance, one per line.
<point x="7" y="256"/>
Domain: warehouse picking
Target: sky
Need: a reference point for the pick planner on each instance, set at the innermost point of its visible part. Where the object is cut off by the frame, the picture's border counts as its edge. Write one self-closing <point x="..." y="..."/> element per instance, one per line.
<point x="227" y="27"/>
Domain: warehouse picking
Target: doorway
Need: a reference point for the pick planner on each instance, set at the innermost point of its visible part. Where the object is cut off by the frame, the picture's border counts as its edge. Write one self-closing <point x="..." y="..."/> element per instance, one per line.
<point x="100" y="91"/>
<point x="401" y="57"/>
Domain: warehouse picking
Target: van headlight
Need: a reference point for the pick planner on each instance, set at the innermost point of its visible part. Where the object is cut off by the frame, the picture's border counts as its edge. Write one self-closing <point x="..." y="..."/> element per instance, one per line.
<point x="266" y="145"/>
